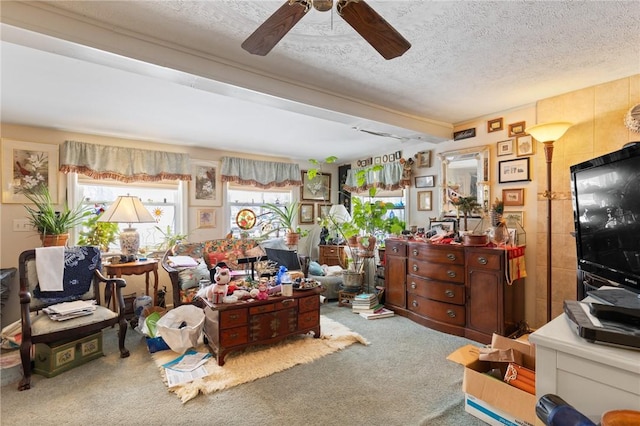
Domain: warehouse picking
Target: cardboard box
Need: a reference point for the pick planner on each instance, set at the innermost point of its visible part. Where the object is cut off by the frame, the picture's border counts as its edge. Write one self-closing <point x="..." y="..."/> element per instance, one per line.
<point x="489" y="398"/>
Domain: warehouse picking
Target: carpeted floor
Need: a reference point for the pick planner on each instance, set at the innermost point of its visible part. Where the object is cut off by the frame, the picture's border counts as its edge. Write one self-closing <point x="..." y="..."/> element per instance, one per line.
<point x="261" y="361"/>
<point x="401" y="378"/>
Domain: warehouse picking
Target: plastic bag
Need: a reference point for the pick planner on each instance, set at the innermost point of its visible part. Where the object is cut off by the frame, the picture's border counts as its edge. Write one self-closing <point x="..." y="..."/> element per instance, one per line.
<point x="181" y="327"/>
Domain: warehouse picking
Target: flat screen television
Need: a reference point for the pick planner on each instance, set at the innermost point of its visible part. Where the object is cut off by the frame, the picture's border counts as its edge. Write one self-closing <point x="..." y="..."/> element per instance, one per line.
<point x="606" y="210"/>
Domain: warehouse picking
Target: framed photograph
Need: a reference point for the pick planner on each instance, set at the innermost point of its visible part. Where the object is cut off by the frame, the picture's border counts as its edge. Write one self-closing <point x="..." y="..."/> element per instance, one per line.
<point x="505" y="147"/>
<point x="25" y="165"/>
<point x="306" y="213"/>
<point x="206" y="218"/>
<point x="423" y="159"/>
<point x="424" y="200"/>
<point x="525" y="145"/>
<point x="377" y="160"/>
<point x="514" y="170"/>
<point x="494" y="125"/>
<point x="425" y="181"/>
<point x="513" y="197"/>
<point x="447" y="225"/>
<point x="205" y="187"/>
<point x="317" y="189"/>
<point x="516" y="216"/>
<point x="323" y="210"/>
<point x="516" y="129"/>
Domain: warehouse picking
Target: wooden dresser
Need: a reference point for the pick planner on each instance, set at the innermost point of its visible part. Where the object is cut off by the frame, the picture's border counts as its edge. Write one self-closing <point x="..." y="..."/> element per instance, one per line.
<point x="332" y="255"/>
<point x="454" y="289"/>
<point x="234" y="326"/>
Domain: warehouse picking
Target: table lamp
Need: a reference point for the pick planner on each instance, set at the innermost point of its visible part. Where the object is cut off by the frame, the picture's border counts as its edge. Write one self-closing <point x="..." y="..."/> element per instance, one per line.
<point x="128" y="209"/>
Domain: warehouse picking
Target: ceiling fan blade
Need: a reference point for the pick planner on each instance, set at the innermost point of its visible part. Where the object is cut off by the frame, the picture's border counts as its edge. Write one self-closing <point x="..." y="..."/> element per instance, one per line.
<point x="373" y="28"/>
<point x="267" y="35"/>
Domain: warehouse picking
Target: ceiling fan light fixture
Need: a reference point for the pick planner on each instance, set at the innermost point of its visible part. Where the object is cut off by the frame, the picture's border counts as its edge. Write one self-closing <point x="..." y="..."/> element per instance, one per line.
<point x="322" y="5"/>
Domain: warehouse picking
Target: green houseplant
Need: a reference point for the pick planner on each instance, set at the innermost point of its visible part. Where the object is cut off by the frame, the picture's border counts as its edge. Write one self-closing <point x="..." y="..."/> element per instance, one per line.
<point x="95" y="233"/>
<point x="49" y="222"/>
<point x="467" y="205"/>
<point x="285" y="215"/>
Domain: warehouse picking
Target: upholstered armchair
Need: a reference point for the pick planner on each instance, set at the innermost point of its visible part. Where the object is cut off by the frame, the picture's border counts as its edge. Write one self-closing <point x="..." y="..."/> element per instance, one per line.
<point x="82" y="280"/>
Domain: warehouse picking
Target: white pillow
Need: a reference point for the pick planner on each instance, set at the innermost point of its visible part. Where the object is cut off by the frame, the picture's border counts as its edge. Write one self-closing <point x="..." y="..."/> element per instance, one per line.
<point x="332" y="271"/>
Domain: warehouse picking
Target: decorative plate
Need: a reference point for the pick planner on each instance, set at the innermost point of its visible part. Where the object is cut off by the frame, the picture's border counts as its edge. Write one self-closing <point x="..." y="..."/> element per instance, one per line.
<point x="246" y="219"/>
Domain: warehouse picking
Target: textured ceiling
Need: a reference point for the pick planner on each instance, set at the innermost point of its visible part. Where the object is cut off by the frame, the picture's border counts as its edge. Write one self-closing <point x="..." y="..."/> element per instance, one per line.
<point x="468" y="58"/>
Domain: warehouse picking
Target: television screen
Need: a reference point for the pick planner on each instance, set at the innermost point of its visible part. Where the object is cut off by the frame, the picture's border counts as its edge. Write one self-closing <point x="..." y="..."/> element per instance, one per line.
<point x="606" y="206"/>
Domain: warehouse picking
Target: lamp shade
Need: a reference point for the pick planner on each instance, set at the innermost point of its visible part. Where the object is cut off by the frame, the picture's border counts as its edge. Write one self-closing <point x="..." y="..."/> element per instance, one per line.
<point x="548" y="132"/>
<point x="339" y="213"/>
<point x="126" y="209"/>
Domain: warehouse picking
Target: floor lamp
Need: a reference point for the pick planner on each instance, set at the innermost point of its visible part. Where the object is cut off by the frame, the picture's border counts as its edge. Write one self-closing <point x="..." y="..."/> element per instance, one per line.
<point x="547" y="133"/>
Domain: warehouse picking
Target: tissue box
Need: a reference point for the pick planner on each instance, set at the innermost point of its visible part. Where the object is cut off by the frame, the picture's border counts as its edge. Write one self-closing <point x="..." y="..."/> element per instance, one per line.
<point x="490" y="399"/>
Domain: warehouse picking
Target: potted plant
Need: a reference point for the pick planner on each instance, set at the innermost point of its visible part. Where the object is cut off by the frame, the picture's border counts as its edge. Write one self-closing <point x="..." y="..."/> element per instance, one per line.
<point x="95" y="233"/>
<point x="285" y="215"/>
<point x="466" y="205"/>
<point x="52" y="225"/>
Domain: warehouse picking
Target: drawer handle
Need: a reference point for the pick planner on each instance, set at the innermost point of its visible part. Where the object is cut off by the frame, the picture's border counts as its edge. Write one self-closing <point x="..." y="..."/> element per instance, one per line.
<point x="449" y="293"/>
<point x="415" y="303"/>
<point x="415" y="268"/>
<point x="287" y="301"/>
<point x="234" y="335"/>
<point x="415" y="252"/>
<point x="482" y="260"/>
<point x="451" y="274"/>
<point x="234" y="316"/>
<point x="394" y="249"/>
<point x="451" y="313"/>
<point x="413" y="285"/>
<point x="451" y="256"/>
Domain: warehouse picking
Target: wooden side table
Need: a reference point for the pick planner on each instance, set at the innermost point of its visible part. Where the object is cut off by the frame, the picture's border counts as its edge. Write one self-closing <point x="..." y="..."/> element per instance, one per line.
<point x="138" y="267"/>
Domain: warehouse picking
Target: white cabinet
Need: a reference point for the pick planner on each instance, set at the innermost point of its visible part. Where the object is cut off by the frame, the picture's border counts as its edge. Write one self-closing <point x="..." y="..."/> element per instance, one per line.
<point x="592" y="377"/>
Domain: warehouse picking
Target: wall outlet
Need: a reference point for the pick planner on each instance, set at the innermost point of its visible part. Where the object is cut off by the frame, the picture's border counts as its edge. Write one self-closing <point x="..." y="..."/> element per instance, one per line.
<point x="22" y="225"/>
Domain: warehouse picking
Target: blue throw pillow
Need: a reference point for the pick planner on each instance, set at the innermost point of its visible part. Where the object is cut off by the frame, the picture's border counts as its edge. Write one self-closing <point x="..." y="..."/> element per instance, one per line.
<point x="315" y="269"/>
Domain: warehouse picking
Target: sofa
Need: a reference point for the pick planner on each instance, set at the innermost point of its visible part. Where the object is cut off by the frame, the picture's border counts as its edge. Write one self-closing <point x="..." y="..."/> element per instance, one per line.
<point x="185" y="274"/>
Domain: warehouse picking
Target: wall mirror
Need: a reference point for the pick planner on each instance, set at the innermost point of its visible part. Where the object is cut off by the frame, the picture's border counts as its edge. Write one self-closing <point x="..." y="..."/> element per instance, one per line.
<point x="464" y="173"/>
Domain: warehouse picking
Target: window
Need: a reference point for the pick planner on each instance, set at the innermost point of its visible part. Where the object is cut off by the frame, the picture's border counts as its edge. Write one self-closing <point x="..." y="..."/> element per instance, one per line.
<point x="163" y="200"/>
<point x="253" y="199"/>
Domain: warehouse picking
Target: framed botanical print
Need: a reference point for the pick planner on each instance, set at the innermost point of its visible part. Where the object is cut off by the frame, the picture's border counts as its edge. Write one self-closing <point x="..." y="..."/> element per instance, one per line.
<point x="505" y="147"/>
<point x="525" y="145"/>
<point x="323" y="210"/>
<point x="316" y="189"/>
<point x="513" y="197"/>
<point x="205" y="188"/>
<point x="424" y="200"/>
<point x="26" y="165"/>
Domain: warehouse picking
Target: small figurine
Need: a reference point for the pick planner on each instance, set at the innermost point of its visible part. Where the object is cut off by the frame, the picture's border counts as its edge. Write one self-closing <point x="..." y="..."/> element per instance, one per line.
<point x="263" y="290"/>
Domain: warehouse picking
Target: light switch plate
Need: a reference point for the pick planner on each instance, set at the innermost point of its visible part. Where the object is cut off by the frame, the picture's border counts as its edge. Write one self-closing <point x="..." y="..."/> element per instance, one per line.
<point x="22" y="225"/>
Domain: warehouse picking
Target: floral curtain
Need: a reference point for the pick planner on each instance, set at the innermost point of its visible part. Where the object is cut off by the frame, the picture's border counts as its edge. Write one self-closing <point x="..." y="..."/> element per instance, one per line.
<point x="123" y="164"/>
<point x="261" y="174"/>
<point x="389" y="178"/>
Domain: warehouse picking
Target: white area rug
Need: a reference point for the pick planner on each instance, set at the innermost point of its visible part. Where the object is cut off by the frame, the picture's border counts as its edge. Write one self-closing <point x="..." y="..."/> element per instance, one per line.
<point x="261" y="360"/>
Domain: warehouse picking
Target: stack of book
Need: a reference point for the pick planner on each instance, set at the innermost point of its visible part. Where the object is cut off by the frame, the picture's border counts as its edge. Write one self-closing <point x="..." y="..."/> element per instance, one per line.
<point x="365" y="302"/>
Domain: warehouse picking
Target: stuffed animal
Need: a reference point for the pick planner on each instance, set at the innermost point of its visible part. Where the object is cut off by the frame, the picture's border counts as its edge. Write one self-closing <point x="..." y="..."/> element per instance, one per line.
<point x="218" y="290"/>
<point x="263" y="290"/>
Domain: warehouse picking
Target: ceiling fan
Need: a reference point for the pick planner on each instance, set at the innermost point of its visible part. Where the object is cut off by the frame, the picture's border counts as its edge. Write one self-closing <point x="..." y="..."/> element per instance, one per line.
<point x="366" y="21"/>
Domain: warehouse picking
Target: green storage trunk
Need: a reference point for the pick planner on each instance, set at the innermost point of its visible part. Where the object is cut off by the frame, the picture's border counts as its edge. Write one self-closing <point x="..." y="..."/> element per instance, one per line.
<point x="55" y="358"/>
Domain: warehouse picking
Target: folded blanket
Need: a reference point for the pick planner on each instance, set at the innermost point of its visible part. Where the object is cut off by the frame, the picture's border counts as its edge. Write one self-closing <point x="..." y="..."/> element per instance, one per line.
<point x="50" y="268"/>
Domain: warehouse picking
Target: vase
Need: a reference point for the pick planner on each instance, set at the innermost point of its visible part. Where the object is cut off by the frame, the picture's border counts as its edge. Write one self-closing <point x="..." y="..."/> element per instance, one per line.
<point x="51" y="240"/>
<point x="352" y="280"/>
<point x="499" y="234"/>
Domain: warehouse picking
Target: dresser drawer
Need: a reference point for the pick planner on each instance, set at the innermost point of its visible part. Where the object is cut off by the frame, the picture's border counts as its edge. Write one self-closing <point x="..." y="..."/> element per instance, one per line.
<point x="439" y="311"/>
<point x="436" y="271"/>
<point x="436" y="290"/>
<point x="234" y="336"/>
<point x="308" y="319"/>
<point x="256" y="310"/>
<point x="395" y="248"/>
<point x="437" y="253"/>
<point x="233" y="318"/>
<point x="487" y="259"/>
<point x="307" y="304"/>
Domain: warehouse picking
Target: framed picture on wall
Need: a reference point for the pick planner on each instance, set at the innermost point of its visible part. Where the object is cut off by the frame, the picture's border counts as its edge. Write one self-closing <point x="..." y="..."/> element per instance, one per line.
<point x="525" y="145"/>
<point x="513" y="170"/>
<point x="423" y="159"/>
<point x="206" y="218"/>
<point x="513" y="197"/>
<point x="505" y="147"/>
<point x="323" y="210"/>
<point x="424" y="200"/>
<point x="205" y="187"/>
<point x="425" y="181"/>
<point x="25" y="165"/>
<point x="516" y="129"/>
<point x="494" y="125"/>
<point x="306" y="213"/>
<point x="316" y="189"/>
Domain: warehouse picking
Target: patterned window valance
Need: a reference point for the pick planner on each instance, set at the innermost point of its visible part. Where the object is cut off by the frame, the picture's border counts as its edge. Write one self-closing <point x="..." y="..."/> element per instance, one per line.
<point x="389" y="178"/>
<point x="123" y="164"/>
<point x="261" y="174"/>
